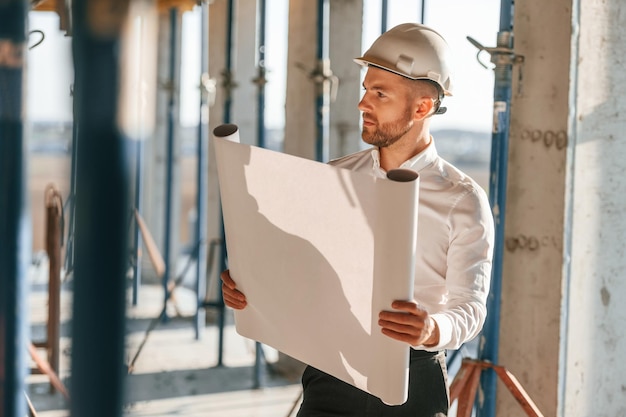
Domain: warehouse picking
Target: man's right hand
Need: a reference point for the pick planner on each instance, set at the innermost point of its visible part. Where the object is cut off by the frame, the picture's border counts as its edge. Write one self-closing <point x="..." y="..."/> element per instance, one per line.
<point x="232" y="296"/>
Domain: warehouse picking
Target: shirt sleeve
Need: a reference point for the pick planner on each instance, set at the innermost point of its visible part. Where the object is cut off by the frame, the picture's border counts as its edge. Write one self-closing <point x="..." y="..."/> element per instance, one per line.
<point x="468" y="271"/>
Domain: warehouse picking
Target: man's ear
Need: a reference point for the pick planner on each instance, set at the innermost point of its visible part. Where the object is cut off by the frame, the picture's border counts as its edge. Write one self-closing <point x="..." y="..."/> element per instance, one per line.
<point x="424" y="107"/>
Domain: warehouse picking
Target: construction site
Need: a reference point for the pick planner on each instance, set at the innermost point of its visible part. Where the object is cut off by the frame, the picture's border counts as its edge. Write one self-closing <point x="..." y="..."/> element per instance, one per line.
<point x="134" y="132"/>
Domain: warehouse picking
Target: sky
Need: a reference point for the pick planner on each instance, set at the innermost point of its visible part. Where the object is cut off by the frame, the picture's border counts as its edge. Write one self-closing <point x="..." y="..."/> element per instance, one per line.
<point x="49" y="73"/>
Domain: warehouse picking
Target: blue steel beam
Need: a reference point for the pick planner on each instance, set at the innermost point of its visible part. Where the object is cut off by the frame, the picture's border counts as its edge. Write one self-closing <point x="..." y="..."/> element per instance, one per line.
<point x="261" y="71"/>
<point x="137" y="146"/>
<point x="504" y="60"/>
<point x="384" y="12"/>
<point x="137" y="241"/>
<point x="259" y="379"/>
<point x="322" y="99"/>
<point x="229" y="85"/>
<point x="170" y="263"/>
<point x="101" y="217"/>
<point x="14" y="217"/>
<point x="202" y="178"/>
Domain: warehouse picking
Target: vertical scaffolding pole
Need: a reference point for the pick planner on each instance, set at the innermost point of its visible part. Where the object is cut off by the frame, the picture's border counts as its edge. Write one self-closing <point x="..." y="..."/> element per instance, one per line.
<point x="101" y="235"/>
<point x="323" y="84"/>
<point x="70" y="204"/>
<point x="384" y="11"/>
<point x="170" y="259"/>
<point x="14" y="219"/>
<point x="202" y="177"/>
<point x="228" y="71"/>
<point x="503" y="59"/>
<point x="139" y="146"/>
<point x="260" y="81"/>
<point x="228" y="84"/>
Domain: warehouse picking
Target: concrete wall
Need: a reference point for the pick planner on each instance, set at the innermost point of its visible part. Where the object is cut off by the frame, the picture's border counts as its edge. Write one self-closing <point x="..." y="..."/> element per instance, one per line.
<point x="594" y="369"/>
<point x="245" y="107"/>
<point x="532" y="267"/>
<point x="561" y="324"/>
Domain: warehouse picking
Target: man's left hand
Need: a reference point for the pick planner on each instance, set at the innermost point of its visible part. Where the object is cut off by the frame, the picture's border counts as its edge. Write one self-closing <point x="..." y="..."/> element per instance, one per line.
<point x="411" y="324"/>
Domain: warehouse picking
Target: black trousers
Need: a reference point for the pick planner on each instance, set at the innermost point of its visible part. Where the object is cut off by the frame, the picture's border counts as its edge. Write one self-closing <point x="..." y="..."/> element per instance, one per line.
<point x="327" y="396"/>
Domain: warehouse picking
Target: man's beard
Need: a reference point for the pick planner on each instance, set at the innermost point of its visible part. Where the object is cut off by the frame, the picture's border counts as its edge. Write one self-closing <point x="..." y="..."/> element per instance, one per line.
<point x="387" y="134"/>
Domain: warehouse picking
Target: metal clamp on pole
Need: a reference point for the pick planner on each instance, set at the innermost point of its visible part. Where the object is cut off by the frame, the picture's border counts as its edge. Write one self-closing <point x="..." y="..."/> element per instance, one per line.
<point x="322" y="75"/>
<point x="208" y="88"/>
<point x="502" y="56"/>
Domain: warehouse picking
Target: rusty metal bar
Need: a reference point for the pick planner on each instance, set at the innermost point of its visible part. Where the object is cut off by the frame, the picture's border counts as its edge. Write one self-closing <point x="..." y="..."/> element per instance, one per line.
<point x="465" y="384"/>
<point x="45" y="368"/>
<point x="463" y="375"/>
<point x="468" y="395"/>
<point x="54" y="232"/>
<point x="514" y="386"/>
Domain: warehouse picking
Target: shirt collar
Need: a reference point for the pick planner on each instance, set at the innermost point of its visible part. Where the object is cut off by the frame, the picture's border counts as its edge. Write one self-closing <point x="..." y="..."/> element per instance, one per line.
<point x="417" y="163"/>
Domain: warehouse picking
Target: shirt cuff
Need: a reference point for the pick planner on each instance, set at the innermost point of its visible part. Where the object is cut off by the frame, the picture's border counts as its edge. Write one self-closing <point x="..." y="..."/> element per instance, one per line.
<point x="445" y="332"/>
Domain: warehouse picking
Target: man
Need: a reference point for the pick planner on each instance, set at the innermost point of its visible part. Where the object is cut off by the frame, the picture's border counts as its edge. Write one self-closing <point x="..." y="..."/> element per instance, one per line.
<point x="407" y="77"/>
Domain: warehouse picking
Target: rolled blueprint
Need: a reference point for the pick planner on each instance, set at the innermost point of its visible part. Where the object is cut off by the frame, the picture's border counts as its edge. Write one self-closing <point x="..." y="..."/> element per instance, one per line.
<point x="319" y="251"/>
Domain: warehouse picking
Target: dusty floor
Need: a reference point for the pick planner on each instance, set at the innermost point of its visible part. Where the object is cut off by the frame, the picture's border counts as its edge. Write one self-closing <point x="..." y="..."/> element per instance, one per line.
<point x="175" y="374"/>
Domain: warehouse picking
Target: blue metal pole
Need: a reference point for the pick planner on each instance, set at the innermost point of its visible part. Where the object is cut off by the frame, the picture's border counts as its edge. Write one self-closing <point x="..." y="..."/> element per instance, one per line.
<point x="228" y="71"/>
<point x="70" y="204"/>
<point x="202" y="180"/>
<point x="98" y="317"/>
<point x="497" y="197"/>
<point x="169" y="164"/>
<point x="323" y="97"/>
<point x="14" y="217"/>
<point x="260" y="81"/>
<point x="423" y="13"/>
<point x="384" y="11"/>
<point x="139" y="146"/>
<point x="228" y="87"/>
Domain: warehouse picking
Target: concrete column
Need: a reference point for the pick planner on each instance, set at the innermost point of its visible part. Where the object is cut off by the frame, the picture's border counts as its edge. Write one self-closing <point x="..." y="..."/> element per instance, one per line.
<point x="301" y="61"/>
<point x="245" y="95"/>
<point x="346" y="24"/>
<point x="534" y="225"/>
<point x="562" y="319"/>
<point x="346" y="19"/>
<point x="156" y="148"/>
<point x="243" y="91"/>
<point x="593" y="369"/>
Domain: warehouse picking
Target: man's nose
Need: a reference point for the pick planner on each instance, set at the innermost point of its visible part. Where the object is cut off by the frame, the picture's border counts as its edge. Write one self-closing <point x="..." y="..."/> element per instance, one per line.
<point x="363" y="104"/>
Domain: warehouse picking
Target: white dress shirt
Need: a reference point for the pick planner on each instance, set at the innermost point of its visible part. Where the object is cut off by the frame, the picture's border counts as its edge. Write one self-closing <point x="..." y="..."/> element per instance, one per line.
<point x="455" y="237"/>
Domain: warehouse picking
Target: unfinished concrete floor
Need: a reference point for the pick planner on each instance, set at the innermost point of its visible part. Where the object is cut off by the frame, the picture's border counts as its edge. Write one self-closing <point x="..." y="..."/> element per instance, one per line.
<point x="175" y="374"/>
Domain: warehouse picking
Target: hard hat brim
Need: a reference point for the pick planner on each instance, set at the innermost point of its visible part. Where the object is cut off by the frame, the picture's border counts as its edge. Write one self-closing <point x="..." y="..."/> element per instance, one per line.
<point x="366" y="62"/>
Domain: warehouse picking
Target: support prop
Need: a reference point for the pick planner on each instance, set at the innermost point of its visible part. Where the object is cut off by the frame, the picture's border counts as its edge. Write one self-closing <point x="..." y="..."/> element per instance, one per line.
<point x="465" y="384"/>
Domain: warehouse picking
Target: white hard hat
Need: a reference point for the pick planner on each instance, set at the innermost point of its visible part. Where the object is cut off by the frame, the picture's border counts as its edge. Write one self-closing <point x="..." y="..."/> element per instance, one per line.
<point x="413" y="51"/>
